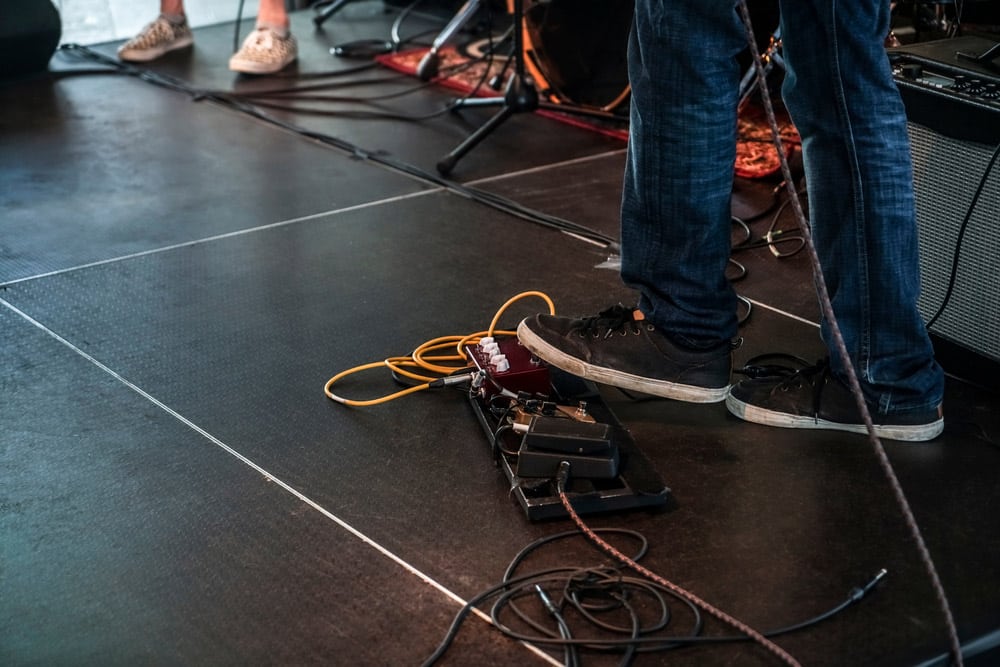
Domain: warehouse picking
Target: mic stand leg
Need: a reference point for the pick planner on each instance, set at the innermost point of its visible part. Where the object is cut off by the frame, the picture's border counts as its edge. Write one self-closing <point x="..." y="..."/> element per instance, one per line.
<point x="519" y="96"/>
<point x="427" y="69"/>
<point x="329" y="11"/>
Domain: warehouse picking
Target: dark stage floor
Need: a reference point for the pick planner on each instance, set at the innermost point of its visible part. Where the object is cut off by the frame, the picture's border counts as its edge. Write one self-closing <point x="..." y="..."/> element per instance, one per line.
<point x="178" y="279"/>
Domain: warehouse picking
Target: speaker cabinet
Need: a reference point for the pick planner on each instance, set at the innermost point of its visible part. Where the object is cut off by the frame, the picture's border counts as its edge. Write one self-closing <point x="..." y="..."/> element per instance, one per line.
<point x="947" y="173"/>
<point x="953" y="110"/>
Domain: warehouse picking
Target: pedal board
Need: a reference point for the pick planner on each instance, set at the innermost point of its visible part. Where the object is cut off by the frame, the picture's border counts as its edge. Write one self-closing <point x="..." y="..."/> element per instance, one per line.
<point x="536" y="416"/>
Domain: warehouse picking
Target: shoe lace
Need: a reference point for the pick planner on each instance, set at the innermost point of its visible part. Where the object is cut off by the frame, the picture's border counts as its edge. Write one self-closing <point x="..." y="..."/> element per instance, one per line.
<point x="262" y="39"/>
<point x="617" y="319"/>
<point x="812" y="375"/>
<point x="777" y="365"/>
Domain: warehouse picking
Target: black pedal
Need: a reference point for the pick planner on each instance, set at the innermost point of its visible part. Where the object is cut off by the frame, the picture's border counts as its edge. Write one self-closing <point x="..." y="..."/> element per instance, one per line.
<point x="587" y="446"/>
<point x="569" y="421"/>
<point x="559" y="434"/>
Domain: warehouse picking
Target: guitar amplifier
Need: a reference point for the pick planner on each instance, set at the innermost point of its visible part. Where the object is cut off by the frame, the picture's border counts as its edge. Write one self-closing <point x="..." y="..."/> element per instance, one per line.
<point x="951" y="89"/>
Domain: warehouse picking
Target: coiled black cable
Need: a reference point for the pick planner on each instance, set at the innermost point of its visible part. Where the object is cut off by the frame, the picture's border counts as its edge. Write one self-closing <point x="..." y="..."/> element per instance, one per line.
<point x="840" y="348"/>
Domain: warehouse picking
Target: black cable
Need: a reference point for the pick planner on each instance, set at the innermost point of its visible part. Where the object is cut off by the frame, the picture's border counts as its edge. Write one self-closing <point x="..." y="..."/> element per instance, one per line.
<point x="511" y="586"/>
<point x="572" y="657"/>
<point x="397" y="25"/>
<point x="492" y="200"/>
<point x="772" y="365"/>
<point x="590" y="591"/>
<point x="952" y="278"/>
<point x="774" y="237"/>
<point x="294" y="90"/>
<point x="743" y="317"/>
<point x="295" y="94"/>
<point x="562" y="478"/>
<point x="497" y="447"/>
<point x="840" y="347"/>
<point x="236" y="27"/>
<point x="369" y="48"/>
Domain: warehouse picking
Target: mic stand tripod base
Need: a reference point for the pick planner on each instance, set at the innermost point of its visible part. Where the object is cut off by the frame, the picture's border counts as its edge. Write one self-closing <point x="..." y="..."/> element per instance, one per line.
<point x="519" y="96"/>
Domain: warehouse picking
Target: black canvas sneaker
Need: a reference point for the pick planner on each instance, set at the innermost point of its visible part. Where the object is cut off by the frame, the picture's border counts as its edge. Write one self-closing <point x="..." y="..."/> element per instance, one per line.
<point x="814" y="398"/>
<point x="618" y="347"/>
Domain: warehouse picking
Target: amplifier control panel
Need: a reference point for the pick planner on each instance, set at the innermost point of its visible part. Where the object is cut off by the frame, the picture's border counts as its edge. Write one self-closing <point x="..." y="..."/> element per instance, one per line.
<point x="951" y="86"/>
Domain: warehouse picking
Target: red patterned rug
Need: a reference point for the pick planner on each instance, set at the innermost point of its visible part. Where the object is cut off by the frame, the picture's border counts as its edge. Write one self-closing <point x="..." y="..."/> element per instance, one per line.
<point x="756" y="156"/>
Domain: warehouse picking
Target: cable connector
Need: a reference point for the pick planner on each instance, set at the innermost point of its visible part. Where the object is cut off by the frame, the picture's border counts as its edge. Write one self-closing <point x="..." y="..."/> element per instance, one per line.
<point x="858" y="593"/>
<point x="451" y="380"/>
<point x="478" y="381"/>
<point x="550" y="606"/>
<point x="562" y="475"/>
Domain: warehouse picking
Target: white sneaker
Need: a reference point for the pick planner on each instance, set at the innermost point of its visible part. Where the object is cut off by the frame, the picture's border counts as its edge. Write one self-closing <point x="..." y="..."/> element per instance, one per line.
<point x="156" y="38"/>
<point x="264" y="52"/>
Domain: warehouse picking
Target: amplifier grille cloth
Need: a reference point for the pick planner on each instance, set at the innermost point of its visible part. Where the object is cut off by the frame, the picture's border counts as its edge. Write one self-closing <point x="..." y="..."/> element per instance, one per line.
<point x="946" y="174"/>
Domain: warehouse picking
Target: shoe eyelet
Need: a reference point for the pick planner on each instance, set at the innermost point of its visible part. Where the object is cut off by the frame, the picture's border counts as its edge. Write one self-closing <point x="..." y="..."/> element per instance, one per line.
<point x="650" y="327"/>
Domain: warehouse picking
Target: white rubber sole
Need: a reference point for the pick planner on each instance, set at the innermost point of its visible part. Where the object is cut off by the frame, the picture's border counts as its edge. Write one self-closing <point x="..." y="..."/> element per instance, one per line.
<point x="609" y="376"/>
<point x="906" y="433"/>
<point x="255" y="67"/>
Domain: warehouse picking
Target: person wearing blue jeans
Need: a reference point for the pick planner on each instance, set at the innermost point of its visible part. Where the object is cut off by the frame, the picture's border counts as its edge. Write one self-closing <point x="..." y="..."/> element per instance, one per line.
<point x="675" y="223"/>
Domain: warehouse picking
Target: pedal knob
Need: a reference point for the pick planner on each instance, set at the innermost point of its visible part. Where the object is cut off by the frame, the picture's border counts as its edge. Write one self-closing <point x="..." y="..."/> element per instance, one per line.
<point x="500" y="363"/>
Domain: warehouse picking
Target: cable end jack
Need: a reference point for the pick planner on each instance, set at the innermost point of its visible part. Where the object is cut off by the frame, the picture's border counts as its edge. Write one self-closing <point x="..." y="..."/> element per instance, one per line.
<point x="562" y="475"/>
<point x="858" y="593"/>
<point x="452" y="380"/>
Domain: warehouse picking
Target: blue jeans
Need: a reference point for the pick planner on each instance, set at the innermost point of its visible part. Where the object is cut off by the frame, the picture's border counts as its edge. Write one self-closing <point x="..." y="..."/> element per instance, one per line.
<point x="840" y="93"/>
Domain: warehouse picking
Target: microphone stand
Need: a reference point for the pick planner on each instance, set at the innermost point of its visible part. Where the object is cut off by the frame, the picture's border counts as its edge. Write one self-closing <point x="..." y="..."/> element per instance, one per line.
<point x="520" y="95"/>
<point x="329" y="10"/>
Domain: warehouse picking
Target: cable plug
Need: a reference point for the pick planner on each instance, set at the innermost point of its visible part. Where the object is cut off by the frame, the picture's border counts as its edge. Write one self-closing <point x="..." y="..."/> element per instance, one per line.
<point x="451" y="380"/>
<point x="550" y="606"/>
<point x="858" y="593"/>
<point x="478" y="381"/>
<point x="562" y="475"/>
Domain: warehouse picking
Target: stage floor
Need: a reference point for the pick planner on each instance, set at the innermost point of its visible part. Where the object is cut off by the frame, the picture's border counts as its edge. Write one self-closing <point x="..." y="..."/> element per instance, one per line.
<point x="178" y="280"/>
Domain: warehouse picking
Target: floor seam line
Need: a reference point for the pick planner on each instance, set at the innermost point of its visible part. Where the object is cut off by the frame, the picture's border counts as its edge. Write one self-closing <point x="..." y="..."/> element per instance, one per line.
<point x="417" y="174"/>
<point x="432" y="189"/>
<point x="545" y="167"/>
<point x="268" y="477"/>
<point x="218" y="237"/>
<point x="779" y="311"/>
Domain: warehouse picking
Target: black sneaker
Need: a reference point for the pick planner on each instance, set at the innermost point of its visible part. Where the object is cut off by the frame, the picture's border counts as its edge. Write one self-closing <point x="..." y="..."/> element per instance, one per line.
<point x="813" y="397"/>
<point x="619" y="348"/>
